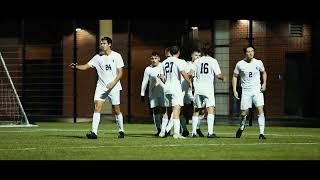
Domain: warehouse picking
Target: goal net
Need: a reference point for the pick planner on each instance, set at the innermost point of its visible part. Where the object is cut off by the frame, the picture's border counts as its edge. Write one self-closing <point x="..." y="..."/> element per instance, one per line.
<point x="12" y="113"/>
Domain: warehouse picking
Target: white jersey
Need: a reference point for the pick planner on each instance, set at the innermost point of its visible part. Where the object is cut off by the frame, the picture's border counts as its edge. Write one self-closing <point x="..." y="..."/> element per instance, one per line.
<point x="106" y="66"/>
<point x="171" y="68"/>
<point x="205" y="70"/>
<point x="184" y="84"/>
<point x="250" y="73"/>
<point x="151" y="76"/>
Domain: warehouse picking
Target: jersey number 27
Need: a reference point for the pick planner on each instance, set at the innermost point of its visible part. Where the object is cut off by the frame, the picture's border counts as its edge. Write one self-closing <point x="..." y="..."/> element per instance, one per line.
<point x="168" y="67"/>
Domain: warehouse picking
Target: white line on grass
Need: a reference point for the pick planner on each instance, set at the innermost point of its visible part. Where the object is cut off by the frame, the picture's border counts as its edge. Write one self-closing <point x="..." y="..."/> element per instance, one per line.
<point x="18" y="149"/>
<point x="163" y="145"/>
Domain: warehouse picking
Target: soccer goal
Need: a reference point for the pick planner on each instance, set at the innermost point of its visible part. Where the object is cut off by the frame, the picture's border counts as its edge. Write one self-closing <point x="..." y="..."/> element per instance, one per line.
<point x="12" y="113"/>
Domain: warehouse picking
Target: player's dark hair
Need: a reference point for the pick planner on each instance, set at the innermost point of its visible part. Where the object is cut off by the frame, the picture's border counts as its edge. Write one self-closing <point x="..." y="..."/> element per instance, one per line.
<point x="155" y="53"/>
<point x="109" y="40"/>
<point x="245" y="49"/>
<point x="174" y="50"/>
<point x="206" y="49"/>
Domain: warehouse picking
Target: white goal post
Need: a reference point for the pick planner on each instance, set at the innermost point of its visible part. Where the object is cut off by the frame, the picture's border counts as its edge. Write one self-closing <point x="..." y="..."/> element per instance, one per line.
<point x="12" y="113"/>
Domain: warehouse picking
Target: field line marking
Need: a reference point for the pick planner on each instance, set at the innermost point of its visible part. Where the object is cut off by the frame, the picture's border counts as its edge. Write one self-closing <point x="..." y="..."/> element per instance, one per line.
<point x="161" y="145"/>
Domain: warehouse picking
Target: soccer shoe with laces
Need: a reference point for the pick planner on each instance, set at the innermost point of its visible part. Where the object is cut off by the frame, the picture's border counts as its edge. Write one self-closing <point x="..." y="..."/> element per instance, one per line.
<point x="199" y="133"/>
<point x="261" y="136"/>
<point x="178" y="136"/>
<point x="239" y="132"/>
<point x="91" y="135"/>
<point x="121" y="134"/>
<point x="212" y="136"/>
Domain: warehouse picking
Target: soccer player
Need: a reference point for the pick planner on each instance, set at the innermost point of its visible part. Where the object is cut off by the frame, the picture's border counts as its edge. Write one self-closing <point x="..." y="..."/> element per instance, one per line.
<point x="167" y="122"/>
<point x="172" y="69"/>
<point x="249" y="70"/>
<point x="109" y="66"/>
<point x="187" y="109"/>
<point x="196" y="53"/>
<point x="205" y="70"/>
<point x="156" y="96"/>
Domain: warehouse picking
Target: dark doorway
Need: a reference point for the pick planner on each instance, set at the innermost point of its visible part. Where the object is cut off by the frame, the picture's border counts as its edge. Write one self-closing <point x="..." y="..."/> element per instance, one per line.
<point x="294" y="83"/>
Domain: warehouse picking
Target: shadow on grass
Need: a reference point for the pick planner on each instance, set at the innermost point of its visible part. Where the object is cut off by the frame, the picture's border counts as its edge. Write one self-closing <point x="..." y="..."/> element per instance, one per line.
<point x="226" y="137"/>
<point x="146" y="135"/>
<point x="68" y="136"/>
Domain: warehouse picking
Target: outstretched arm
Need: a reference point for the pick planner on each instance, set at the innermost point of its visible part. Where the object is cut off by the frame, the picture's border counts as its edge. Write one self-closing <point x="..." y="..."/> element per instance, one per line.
<point x="80" y="67"/>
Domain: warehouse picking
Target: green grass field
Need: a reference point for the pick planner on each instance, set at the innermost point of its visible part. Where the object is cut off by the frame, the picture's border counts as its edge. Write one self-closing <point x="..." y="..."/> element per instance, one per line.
<point x="67" y="141"/>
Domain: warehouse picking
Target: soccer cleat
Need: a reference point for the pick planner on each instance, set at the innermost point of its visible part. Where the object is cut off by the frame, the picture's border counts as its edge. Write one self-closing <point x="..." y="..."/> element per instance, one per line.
<point x="168" y="133"/>
<point x="212" y="136"/>
<point x="193" y="135"/>
<point x="185" y="133"/>
<point x="157" y="134"/>
<point x="91" y="135"/>
<point x="261" y="136"/>
<point x="239" y="132"/>
<point x="199" y="133"/>
<point x="121" y="134"/>
<point x="178" y="136"/>
<point x="163" y="134"/>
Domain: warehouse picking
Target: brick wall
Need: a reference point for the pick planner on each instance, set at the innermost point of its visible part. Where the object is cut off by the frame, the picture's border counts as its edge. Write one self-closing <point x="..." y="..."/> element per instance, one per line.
<point x="86" y="80"/>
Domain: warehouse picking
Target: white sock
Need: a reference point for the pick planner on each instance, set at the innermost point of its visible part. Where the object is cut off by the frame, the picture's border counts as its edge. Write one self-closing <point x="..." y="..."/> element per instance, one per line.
<point x="95" y="122"/>
<point x="243" y="122"/>
<point x="176" y="126"/>
<point x="199" y="122"/>
<point x="157" y="119"/>
<point x="195" y="120"/>
<point x="119" y="121"/>
<point x="164" y="124"/>
<point x="170" y="125"/>
<point x="210" y="120"/>
<point x="261" y="121"/>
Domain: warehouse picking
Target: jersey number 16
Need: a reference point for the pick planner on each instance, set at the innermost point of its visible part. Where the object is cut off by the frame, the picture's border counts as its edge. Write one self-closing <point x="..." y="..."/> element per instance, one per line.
<point x="204" y="68"/>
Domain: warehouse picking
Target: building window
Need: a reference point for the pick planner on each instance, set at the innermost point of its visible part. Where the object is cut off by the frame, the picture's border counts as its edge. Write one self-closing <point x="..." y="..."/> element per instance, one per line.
<point x="296" y="29"/>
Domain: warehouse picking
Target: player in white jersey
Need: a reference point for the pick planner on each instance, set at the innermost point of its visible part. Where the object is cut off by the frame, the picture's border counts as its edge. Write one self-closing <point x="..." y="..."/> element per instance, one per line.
<point x="196" y="53"/>
<point x="109" y="66"/>
<point x="167" y="124"/>
<point x="156" y="97"/>
<point x="205" y="70"/>
<point x="172" y="69"/>
<point x="249" y="70"/>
